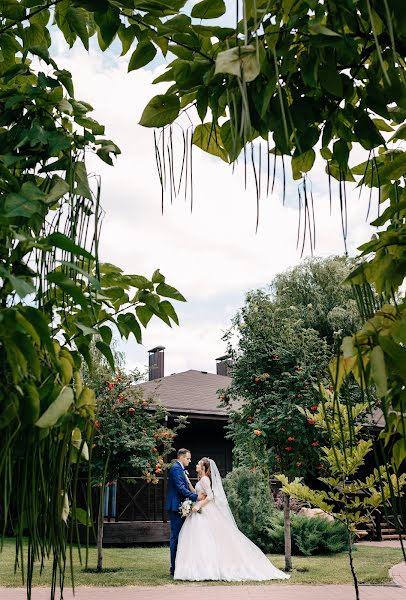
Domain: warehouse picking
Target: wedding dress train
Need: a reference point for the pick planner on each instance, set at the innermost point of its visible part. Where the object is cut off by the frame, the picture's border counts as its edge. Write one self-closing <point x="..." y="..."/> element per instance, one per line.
<point x="211" y="547"/>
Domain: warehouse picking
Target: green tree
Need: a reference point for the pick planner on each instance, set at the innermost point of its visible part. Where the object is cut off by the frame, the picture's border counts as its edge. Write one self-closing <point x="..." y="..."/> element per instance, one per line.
<point x="276" y="363"/>
<point x="277" y="360"/>
<point x="131" y="436"/>
<point x="286" y="340"/>
<point x="347" y="495"/>
<point x="316" y="290"/>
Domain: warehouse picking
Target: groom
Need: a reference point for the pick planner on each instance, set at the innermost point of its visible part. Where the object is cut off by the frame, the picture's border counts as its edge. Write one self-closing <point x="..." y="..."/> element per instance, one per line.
<point x="178" y="491"/>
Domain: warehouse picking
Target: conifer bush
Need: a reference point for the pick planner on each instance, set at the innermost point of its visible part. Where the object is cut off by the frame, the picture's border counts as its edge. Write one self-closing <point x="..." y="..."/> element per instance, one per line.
<point x="258" y="518"/>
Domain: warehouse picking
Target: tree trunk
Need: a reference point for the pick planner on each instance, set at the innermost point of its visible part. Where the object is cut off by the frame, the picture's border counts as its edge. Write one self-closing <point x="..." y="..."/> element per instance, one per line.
<point x="100" y="520"/>
<point x="353" y="573"/>
<point x="100" y="529"/>
<point x="288" y="541"/>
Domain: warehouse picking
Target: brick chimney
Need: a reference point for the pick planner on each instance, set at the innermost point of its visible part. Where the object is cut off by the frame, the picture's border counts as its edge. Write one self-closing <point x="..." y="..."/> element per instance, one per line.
<point x="156" y="362"/>
<point x="223" y="365"/>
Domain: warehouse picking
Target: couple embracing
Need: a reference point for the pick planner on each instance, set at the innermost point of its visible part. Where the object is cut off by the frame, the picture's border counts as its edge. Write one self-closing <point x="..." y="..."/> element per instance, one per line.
<point x="207" y="544"/>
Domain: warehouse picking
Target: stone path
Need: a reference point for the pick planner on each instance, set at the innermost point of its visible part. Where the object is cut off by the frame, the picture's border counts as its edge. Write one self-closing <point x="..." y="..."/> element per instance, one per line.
<point x="397" y="572"/>
<point x="200" y="592"/>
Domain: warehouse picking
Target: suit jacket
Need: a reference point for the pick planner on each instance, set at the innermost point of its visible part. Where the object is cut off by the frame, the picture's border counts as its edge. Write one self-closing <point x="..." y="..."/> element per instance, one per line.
<point x="178" y="489"/>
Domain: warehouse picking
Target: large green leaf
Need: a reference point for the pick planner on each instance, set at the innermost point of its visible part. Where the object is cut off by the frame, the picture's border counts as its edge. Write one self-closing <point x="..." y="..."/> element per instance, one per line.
<point x="319" y="29"/>
<point x="168" y="309"/>
<point x="22" y="285"/>
<point x="163" y="289"/>
<point x="209" y="9"/>
<point x="399" y="451"/>
<point x="160" y="111"/>
<point x="108" y="22"/>
<point x="160" y="7"/>
<point x="157" y="277"/>
<point x="367" y="133"/>
<point x="394" y="168"/>
<point x="127" y="36"/>
<point x="303" y="163"/>
<point x="17" y="205"/>
<point x="68" y="286"/>
<point x="59" y="188"/>
<point x="107" y="353"/>
<point x="378" y="371"/>
<point x="38" y="321"/>
<point x="60" y="240"/>
<point x="144" y="313"/>
<point x="86" y="330"/>
<point x="400" y="134"/>
<point x="177" y="24"/>
<point x="57" y="409"/>
<point x="341" y="151"/>
<point x="74" y="267"/>
<point x="77" y="20"/>
<point x="142" y="55"/>
<point x="207" y="137"/>
<point x="82" y="187"/>
<point x="90" y="124"/>
<point x="331" y="80"/>
<point x="241" y="61"/>
<point x="132" y="324"/>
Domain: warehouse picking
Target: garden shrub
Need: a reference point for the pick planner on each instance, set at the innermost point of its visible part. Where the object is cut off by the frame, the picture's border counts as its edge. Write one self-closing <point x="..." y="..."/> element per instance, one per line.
<point x="251" y="504"/>
<point x="310" y="535"/>
<point x="257" y="517"/>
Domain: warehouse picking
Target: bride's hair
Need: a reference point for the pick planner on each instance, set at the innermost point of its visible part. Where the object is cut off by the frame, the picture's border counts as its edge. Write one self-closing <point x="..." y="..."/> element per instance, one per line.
<point x="205" y="462"/>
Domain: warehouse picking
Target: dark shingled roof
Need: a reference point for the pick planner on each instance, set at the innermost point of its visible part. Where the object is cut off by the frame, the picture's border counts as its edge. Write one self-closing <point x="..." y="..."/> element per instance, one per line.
<point x="190" y="392"/>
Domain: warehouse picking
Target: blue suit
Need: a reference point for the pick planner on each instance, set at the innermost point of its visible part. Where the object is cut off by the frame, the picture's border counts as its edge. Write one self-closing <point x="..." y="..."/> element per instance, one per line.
<point x="178" y="491"/>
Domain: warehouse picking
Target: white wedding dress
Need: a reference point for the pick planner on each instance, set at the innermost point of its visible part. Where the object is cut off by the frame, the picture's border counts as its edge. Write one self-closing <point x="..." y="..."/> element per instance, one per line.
<point x="211" y="547"/>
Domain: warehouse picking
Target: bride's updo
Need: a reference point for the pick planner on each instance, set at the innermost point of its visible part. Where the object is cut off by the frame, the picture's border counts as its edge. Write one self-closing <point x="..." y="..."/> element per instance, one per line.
<point x="205" y="462"/>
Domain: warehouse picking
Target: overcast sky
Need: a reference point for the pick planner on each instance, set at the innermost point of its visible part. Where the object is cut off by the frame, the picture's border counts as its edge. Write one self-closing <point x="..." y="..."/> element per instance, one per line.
<point x="212" y="255"/>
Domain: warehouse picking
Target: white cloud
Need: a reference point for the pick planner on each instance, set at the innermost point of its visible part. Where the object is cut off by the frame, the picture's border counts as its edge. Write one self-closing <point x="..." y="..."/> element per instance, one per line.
<point x="212" y="255"/>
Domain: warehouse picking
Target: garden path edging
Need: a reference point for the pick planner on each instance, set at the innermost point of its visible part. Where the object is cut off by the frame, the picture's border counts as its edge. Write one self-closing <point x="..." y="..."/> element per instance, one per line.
<point x="398" y="574"/>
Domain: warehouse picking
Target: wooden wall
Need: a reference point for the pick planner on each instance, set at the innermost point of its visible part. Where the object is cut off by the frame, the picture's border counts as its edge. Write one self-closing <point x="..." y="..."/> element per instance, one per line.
<point x="204" y="437"/>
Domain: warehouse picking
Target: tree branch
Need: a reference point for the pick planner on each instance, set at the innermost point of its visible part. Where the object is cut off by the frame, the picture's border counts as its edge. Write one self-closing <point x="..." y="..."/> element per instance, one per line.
<point x="169" y="38"/>
<point x="29" y="16"/>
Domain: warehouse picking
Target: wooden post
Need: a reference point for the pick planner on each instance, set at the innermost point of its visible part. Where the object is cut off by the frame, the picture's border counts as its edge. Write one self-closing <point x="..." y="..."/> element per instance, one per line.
<point x="288" y="541"/>
<point x="100" y="530"/>
<point x="100" y="521"/>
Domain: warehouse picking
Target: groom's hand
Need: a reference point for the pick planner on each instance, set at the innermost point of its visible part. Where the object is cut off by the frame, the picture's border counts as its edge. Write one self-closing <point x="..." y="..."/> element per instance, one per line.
<point x="201" y="496"/>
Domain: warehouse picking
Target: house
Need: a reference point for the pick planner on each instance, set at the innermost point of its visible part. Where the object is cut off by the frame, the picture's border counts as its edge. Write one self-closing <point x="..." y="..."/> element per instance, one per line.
<point x="193" y="394"/>
<point x="136" y="510"/>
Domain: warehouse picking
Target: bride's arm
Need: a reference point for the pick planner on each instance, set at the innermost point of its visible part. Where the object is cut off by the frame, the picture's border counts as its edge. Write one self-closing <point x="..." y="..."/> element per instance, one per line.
<point x="192" y="489"/>
<point x="205" y="481"/>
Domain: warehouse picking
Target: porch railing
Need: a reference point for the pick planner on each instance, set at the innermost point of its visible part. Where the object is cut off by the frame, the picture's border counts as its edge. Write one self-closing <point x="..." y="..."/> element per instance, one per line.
<point x="131" y="499"/>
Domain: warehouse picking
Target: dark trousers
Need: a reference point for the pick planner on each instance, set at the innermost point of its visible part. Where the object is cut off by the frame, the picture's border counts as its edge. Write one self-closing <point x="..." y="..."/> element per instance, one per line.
<point x="176" y="525"/>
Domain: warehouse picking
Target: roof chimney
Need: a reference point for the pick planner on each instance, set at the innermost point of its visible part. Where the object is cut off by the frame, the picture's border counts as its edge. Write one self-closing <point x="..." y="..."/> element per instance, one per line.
<point x="156" y="362"/>
<point x="223" y="365"/>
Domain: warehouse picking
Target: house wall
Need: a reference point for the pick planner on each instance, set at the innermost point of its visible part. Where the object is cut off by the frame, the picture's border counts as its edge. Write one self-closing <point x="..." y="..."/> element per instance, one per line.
<point x="205" y="437"/>
<point x="137" y="501"/>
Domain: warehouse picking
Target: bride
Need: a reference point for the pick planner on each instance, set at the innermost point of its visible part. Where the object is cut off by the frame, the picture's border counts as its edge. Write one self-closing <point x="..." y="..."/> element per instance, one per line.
<point x="211" y="547"/>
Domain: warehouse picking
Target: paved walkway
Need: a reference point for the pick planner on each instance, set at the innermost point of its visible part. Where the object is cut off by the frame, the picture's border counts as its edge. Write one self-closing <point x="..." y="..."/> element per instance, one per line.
<point x="199" y="592"/>
<point x="397" y="572"/>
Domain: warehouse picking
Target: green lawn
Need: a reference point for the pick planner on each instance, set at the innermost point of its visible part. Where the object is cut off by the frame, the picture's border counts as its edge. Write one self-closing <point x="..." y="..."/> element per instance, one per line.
<point x="150" y="566"/>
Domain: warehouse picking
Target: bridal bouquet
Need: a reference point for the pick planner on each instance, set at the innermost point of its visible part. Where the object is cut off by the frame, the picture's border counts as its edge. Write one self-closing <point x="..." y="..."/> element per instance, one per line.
<point x="185" y="509"/>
